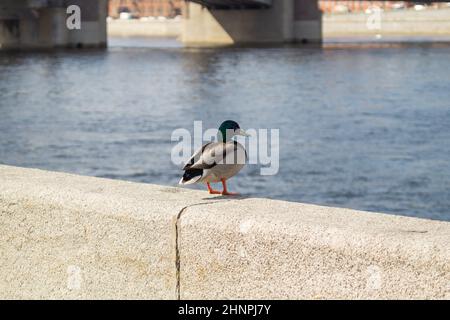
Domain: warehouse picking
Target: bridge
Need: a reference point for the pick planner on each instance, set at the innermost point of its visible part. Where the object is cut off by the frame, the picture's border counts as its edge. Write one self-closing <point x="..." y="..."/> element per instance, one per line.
<point x="42" y="23"/>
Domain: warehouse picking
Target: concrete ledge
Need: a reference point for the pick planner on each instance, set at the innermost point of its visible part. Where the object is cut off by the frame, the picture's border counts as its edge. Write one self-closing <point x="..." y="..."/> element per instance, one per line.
<point x="136" y="28"/>
<point x="392" y="23"/>
<point x="259" y="249"/>
<point x="68" y="236"/>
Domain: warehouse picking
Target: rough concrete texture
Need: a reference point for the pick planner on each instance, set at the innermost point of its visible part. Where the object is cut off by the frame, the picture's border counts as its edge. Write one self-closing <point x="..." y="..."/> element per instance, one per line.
<point x="68" y="236"/>
<point x="264" y="249"/>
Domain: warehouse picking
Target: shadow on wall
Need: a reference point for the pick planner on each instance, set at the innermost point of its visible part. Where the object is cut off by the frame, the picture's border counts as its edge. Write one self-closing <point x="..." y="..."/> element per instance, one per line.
<point x="252" y="25"/>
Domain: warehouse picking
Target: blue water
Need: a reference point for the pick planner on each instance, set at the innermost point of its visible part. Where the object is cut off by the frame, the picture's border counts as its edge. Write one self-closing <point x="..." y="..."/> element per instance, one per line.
<point x="363" y="127"/>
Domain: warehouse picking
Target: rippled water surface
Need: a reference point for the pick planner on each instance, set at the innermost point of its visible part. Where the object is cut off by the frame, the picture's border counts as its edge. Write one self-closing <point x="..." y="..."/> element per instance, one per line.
<point x="365" y="128"/>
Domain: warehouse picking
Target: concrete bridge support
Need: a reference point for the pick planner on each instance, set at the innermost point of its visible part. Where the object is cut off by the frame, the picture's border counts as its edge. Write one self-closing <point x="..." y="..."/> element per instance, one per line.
<point x="286" y="21"/>
<point x="41" y="24"/>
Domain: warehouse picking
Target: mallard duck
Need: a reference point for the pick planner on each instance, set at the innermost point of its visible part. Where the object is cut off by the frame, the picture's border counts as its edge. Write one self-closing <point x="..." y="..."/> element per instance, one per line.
<point x="217" y="161"/>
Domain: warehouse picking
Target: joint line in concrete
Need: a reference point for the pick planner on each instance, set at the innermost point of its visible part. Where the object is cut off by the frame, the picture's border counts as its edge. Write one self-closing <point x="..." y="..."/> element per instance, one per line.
<point x="177" y="243"/>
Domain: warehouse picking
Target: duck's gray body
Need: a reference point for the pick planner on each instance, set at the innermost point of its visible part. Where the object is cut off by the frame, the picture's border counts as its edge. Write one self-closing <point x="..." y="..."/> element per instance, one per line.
<point x="214" y="162"/>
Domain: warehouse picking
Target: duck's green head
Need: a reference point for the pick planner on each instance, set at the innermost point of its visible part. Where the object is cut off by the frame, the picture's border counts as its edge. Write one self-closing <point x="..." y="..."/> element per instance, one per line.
<point x="228" y="129"/>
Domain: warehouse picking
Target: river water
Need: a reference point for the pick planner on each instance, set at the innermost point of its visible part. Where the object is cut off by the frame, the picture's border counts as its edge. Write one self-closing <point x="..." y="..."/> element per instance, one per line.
<point x="364" y="127"/>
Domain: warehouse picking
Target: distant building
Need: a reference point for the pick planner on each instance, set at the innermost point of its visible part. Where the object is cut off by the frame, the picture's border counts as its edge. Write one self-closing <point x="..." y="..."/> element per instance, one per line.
<point x="341" y="6"/>
<point x="330" y="6"/>
<point x="145" y="8"/>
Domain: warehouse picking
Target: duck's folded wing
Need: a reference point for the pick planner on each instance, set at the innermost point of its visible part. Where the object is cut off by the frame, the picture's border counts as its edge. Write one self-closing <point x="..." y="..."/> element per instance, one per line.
<point x="218" y="153"/>
<point x="196" y="156"/>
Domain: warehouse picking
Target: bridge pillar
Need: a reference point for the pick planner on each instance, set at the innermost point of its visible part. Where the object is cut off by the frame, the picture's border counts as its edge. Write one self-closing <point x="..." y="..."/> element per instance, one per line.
<point x="286" y="21"/>
<point x="28" y="24"/>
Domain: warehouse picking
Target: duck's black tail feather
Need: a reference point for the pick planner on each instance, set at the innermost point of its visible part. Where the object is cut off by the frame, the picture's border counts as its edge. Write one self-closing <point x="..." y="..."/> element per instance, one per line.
<point x="191" y="176"/>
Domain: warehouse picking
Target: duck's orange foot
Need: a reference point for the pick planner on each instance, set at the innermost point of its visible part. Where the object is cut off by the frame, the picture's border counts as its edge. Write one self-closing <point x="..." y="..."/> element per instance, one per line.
<point x="211" y="190"/>
<point x="226" y="193"/>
